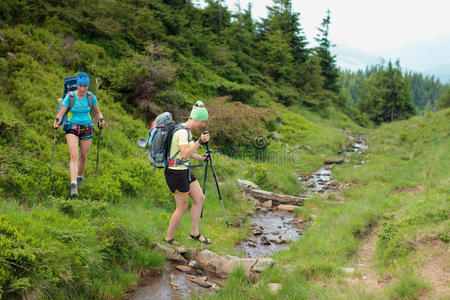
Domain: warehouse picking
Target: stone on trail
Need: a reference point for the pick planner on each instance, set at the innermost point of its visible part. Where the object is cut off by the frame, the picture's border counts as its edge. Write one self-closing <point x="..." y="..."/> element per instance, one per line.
<point x="348" y="270"/>
<point x="223" y="265"/>
<point x="287" y="207"/>
<point x="194" y="264"/>
<point x="201" y="281"/>
<point x="267" y="204"/>
<point x="189" y="270"/>
<point x="274" y="287"/>
<point x="170" y="253"/>
<point x="247" y="184"/>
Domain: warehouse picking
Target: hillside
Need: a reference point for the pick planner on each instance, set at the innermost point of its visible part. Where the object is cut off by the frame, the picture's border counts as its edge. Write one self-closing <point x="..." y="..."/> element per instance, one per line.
<point x="271" y="120"/>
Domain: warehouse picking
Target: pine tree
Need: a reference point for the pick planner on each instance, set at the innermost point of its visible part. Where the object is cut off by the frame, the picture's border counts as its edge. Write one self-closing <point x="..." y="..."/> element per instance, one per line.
<point x="388" y="97"/>
<point x="282" y="26"/>
<point x="444" y="101"/>
<point x="330" y="71"/>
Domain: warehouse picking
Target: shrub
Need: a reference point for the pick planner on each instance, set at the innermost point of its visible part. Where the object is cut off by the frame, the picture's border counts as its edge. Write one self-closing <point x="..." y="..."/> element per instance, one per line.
<point x="234" y="124"/>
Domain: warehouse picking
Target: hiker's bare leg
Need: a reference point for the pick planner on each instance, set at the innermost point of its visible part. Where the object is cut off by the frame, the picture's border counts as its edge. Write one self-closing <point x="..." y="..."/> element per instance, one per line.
<point x="197" y="203"/>
<point x="84" y="150"/>
<point x="72" y="143"/>
<point x="181" y="201"/>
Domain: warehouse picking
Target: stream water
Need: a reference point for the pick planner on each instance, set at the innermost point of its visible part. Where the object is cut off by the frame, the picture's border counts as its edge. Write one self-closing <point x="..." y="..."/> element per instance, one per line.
<point x="273" y="230"/>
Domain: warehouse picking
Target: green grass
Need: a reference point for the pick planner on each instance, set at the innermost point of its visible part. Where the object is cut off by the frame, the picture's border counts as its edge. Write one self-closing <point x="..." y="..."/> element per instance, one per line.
<point x="96" y="246"/>
<point x="403" y="191"/>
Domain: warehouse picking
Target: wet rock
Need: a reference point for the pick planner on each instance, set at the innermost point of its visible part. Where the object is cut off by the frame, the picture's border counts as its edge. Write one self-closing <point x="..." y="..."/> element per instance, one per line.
<point x="264" y="196"/>
<point x="262" y="264"/>
<point x="223" y="265"/>
<point x="334" y="161"/>
<point x="170" y="253"/>
<point x="173" y="282"/>
<point x="274" y="287"/>
<point x="296" y="221"/>
<point x="189" y="270"/>
<point x="310" y="184"/>
<point x="267" y="204"/>
<point x="252" y="240"/>
<point x="181" y="250"/>
<point x="253" y="245"/>
<point x="247" y="184"/>
<point x="200" y="282"/>
<point x="257" y="232"/>
<point x="263" y="209"/>
<point x="280" y="241"/>
<point x="264" y="241"/>
<point x="195" y="264"/>
<point x="288" y="208"/>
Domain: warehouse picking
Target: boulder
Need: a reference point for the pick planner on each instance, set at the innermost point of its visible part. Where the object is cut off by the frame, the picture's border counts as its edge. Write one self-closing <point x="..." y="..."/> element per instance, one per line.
<point x="276" y="199"/>
<point x="189" y="270"/>
<point x="267" y="204"/>
<point x="284" y="207"/>
<point x="223" y="265"/>
<point x="170" y="253"/>
<point x="247" y="184"/>
<point x="201" y="281"/>
<point x="274" y="287"/>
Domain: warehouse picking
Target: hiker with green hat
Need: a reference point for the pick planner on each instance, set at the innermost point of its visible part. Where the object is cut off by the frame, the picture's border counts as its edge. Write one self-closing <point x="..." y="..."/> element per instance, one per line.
<point x="79" y="127"/>
<point x="181" y="182"/>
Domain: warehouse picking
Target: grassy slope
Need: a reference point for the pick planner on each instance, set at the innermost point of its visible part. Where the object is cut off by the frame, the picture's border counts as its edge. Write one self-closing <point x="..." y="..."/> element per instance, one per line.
<point x="402" y="193"/>
<point x="97" y="245"/>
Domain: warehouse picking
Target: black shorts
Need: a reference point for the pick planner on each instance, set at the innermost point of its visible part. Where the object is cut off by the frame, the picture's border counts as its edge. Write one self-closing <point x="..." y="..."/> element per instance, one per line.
<point x="178" y="180"/>
<point x="83" y="132"/>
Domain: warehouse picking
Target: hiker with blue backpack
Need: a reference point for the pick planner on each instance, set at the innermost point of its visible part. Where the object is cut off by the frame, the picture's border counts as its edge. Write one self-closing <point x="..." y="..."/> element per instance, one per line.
<point x="179" y="178"/>
<point x="75" y="116"/>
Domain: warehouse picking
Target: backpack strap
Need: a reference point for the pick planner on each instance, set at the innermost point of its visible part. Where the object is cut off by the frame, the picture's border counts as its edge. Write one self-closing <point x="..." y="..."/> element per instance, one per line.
<point x="90" y="99"/>
<point x="169" y="145"/>
<point x="71" y="101"/>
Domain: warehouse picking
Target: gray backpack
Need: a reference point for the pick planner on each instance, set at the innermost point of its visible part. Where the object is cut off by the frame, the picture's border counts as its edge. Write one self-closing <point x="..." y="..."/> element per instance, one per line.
<point x="160" y="140"/>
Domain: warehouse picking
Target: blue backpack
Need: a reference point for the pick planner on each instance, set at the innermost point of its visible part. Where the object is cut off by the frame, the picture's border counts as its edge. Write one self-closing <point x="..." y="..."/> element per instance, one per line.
<point x="70" y="86"/>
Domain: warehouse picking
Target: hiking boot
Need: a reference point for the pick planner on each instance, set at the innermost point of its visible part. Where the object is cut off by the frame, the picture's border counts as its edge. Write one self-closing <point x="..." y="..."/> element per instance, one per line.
<point x="79" y="181"/>
<point x="73" y="190"/>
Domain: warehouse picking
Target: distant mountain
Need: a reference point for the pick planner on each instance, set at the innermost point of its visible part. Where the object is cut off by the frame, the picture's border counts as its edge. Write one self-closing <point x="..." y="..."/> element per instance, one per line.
<point x="430" y="57"/>
<point x="353" y="59"/>
<point x="443" y="72"/>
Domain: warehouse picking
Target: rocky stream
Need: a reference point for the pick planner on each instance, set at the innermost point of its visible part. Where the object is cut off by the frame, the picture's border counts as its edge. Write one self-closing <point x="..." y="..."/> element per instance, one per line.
<point x="274" y="227"/>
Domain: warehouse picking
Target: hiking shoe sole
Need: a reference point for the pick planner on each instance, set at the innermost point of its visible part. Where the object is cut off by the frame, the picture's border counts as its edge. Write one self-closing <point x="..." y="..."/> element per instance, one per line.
<point x="73" y="190"/>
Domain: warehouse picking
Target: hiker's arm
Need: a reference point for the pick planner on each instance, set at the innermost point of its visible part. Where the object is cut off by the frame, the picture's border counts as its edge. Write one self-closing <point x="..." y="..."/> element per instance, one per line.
<point x="99" y="115"/>
<point x="62" y="111"/>
<point x="189" y="151"/>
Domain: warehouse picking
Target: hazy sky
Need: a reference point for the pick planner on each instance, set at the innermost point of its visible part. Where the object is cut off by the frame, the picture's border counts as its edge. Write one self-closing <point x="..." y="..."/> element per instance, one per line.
<point x="373" y="26"/>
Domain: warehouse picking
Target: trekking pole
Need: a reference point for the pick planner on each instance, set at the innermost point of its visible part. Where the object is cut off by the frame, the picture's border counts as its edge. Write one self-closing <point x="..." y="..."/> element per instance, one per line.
<point x="98" y="147"/>
<point x="53" y="152"/>
<point x="204" y="191"/>
<point x="217" y="183"/>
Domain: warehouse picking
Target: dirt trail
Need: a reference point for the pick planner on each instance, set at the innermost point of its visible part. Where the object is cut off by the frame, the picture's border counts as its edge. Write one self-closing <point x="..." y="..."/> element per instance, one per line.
<point x="370" y="280"/>
<point x="436" y="269"/>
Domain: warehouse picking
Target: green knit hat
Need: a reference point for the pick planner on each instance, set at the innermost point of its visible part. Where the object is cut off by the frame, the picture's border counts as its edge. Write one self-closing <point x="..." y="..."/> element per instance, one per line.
<point x="199" y="111"/>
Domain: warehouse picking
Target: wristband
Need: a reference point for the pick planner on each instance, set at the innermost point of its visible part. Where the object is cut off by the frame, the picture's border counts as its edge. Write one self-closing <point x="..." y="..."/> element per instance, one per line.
<point x="100" y="120"/>
<point x="57" y="119"/>
<point x="200" y="141"/>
